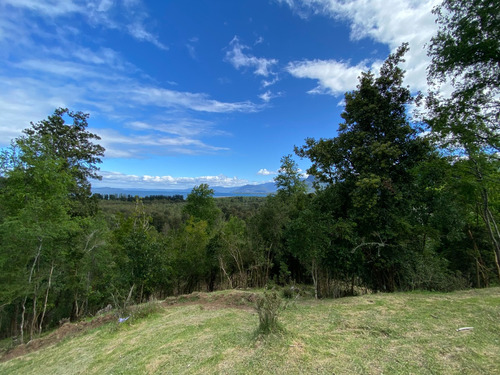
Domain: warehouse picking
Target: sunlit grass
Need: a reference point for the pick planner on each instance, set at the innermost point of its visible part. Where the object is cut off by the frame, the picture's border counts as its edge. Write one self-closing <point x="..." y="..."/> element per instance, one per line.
<point x="401" y="333"/>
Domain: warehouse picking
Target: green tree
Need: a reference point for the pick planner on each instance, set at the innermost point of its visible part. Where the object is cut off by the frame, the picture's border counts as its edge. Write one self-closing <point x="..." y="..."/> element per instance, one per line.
<point x="466" y="53"/>
<point x="200" y="204"/>
<point x="190" y="261"/>
<point x="267" y="236"/>
<point x="289" y="181"/>
<point x="370" y="162"/>
<point x="36" y="229"/>
<point x="45" y="194"/>
<point x="75" y="145"/>
<point x="234" y="252"/>
<point x="141" y="256"/>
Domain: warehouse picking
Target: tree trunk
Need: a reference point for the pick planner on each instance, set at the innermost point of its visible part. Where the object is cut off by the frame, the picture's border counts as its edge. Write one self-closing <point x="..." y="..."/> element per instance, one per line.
<point x="489" y="220"/>
<point x="314" y="274"/>
<point x="492" y="227"/>
<point x="46" y="298"/>
<point x="23" y="306"/>
<point x="34" y="317"/>
<point x="221" y="265"/>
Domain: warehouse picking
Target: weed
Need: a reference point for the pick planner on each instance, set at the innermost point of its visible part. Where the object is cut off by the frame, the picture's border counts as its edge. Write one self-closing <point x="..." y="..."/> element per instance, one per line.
<point x="269" y="307"/>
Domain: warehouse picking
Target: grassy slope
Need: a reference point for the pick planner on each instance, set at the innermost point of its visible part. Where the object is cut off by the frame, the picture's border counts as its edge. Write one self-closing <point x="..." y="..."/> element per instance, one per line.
<point x="402" y="333"/>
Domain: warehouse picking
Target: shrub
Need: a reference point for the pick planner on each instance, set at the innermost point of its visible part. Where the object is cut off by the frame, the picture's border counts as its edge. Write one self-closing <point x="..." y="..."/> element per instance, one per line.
<point x="290" y="292"/>
<point x="269" y="307"/>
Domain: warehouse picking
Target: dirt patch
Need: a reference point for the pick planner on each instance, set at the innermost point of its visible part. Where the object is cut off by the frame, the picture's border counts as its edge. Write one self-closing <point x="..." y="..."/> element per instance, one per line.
<point x="210" y="301"/>
<point x="66" y="330"/>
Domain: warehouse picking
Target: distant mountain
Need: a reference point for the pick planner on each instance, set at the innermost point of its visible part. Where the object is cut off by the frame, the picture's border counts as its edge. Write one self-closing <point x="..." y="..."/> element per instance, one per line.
<point x="267" y="188"/>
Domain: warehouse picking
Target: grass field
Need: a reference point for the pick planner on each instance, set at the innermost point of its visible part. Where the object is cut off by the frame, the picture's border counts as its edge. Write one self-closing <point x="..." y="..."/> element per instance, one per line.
<point x="400" y="333"/>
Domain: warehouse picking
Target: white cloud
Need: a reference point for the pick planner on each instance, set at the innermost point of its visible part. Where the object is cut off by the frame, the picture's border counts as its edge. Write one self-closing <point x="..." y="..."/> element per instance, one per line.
<point x="334" y="77"/>
<point x="138" y="31"/>
<point x="265" y="172"/>
<point x="268" y="95"/>
<point x="390" y="22"/>
<point x="117" y="179"/>
<point x="162" y="97"/>
<point x="189" y="127"/>
<point x="97" y="82"/>
<point x="51" y="8"/>
<point x="143" y="144"/>
<point x="239" y="59"/>
<point x="133" y="18"/>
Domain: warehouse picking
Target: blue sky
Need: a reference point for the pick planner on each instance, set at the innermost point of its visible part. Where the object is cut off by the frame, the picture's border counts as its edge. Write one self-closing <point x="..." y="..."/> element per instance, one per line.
<point x="188" y="92"/>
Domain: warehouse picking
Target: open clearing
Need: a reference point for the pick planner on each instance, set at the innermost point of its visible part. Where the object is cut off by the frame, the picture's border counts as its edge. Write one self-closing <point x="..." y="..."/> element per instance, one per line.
<point x="400" y="333"/>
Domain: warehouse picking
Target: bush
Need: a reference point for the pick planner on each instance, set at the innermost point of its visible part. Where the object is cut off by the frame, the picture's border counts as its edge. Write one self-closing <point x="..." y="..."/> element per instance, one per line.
<point x="290" y="292"/>
<point x="430" y="272"/>
<point x="269" y="307"/>
<point x="145" y="310"/>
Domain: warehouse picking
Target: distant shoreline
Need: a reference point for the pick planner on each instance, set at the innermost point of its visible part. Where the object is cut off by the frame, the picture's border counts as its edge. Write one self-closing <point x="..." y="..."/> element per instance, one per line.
<point x="141" y="193"/>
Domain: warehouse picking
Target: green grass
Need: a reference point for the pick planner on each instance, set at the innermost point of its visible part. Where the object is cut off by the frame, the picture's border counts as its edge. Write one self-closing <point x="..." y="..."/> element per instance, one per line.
<point x="401" y="333"/>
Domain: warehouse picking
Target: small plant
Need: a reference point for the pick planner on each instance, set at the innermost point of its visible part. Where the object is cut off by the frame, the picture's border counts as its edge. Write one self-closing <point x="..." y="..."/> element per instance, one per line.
<point x="145" y="310"/>
<point x="290" y="292"/>
<point x="269" y="307"/>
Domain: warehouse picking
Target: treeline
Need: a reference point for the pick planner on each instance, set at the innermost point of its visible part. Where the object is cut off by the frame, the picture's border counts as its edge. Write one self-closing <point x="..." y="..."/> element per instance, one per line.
<point x="398" y="205"/>
<point x="132" y="198"/>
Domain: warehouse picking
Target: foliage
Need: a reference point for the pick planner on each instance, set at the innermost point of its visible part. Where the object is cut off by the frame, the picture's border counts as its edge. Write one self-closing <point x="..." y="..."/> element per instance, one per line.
<point x="140" y="255"/>
<point x="201" y="204"/>
<point x="269" y="307"/>
<point x="465" y="53"/>
<point x="43" y="222"/>
<point x="369" y="167"/>
<point x="289" y="181"/>
<point x="75" y="146"/>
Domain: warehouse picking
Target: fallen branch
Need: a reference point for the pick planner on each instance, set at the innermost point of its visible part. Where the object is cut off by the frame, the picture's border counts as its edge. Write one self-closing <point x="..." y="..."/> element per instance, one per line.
<point x="465" y="329"/>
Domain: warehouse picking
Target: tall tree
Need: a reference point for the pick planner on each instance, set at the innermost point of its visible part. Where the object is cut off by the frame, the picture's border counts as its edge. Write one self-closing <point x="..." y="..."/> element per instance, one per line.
<point x="466" y="54"/>
<point x="370" y="163"/>
<point x="45" y="192"/>
<point x="36" y="229"/>
<point x="75" y="145"/>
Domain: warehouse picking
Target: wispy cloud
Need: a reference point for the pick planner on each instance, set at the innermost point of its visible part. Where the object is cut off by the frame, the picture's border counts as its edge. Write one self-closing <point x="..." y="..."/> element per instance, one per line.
<point x="163" y="97"/>
<point x="141" y="144"/>
<point x="259" y="41"/>
<point x="138" y="31"/>
<point x="51" y="8"/>
<point x="191" y="47"/>
<point x="182" y="126"/>
<point x="268" y="95"/>
<point x="102" y="83"/>
<point x="128" y="16"/>
<point x="236" y="56"/>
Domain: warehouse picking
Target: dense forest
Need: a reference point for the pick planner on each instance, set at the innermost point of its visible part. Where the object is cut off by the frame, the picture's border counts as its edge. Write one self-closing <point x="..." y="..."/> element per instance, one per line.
<point x="401" y="201"/>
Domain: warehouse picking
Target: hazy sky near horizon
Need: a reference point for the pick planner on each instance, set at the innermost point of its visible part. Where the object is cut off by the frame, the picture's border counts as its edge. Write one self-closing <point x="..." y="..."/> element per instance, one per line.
<point x="188" y="92"/>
